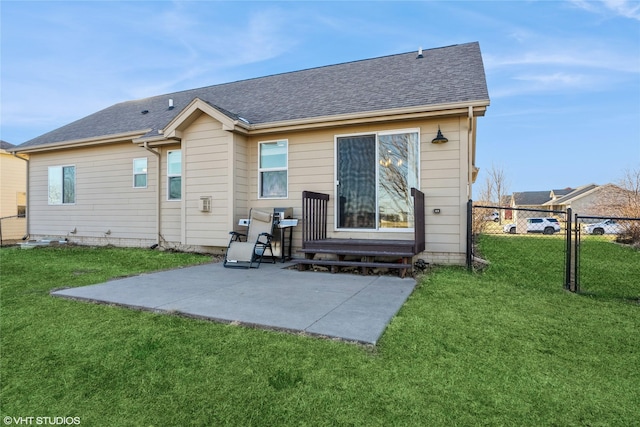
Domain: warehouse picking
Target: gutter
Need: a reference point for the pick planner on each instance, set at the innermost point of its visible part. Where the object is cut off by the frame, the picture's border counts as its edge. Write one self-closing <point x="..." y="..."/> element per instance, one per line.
<point x="85" y="142"/>
<point x="239" y="125"/>
<point x="470" y="152"/>
<point x="158" y="201"/>
<point x="438" y="110"/>
<point x="26" y="236"/>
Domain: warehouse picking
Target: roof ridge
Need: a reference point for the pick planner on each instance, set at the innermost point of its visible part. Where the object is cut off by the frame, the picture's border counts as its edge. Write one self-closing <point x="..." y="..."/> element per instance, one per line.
<point x="383" y="83"/>
<point x="295" y="72"/>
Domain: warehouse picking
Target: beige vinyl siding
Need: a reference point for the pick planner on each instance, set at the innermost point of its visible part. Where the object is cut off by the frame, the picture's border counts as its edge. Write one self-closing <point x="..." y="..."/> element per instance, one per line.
<point x="443" y="180"/>
<point x="170" y="210"/>
<point x="222" y="165"/>
<point x="13" y="180"/>
<point x="208" y="172"/>
<point x="106" y="204"/>
<point x="311" y="163"/>
<point x="443" y="173"/>
<point x="240" y="197"/>
<point x="13" y="184"/>
<point x="13" y="228"/>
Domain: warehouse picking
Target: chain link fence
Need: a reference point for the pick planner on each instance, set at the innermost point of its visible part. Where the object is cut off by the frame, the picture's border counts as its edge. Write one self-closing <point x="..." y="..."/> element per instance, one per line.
<point x="570" y="245"/>
<point x="592" y="234"/>
<point x="542" y="233"/>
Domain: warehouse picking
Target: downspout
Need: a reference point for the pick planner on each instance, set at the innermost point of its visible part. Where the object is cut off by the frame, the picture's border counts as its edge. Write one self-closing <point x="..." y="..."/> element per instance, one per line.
<point x="468" y="230"/>
<point x="470" y="153"/>
<point x="158" y="184"/>
<point x="27" y="217"/>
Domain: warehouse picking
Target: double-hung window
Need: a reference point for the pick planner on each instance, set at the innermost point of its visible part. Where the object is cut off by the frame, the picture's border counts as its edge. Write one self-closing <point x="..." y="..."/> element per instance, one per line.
<point x="374" y="176"/>
<point x="62" y="185"/>
<point x="174" y="175"/>
<point x="140" y="173"/>
<point x="273" y="169"/>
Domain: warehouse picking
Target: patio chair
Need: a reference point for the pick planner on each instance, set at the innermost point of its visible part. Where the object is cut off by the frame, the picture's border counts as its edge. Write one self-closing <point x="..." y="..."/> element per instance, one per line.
<point x="244" y="254"/>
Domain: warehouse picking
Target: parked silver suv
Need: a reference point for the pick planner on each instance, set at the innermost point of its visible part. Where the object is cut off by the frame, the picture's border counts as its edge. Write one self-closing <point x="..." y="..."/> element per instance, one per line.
<point x="608" y="226"/>
<point x="536" y="225"/>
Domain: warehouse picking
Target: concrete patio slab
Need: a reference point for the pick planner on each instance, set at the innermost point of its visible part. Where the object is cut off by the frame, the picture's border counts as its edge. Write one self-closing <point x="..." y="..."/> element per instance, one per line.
<point x="346" y="306"/>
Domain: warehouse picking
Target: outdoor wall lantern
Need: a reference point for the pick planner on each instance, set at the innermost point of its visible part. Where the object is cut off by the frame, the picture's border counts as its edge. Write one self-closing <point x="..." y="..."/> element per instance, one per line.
<point x="439" y="139"/>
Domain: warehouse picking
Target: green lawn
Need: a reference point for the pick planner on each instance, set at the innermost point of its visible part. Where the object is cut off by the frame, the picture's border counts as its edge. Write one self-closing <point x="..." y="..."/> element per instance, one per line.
<point x="507" y="346"/>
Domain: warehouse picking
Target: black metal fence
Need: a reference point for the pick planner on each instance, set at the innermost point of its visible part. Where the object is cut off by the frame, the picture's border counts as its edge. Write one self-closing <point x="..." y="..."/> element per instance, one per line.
<point x="591" y="232"/>
<point x="539" y="226"/>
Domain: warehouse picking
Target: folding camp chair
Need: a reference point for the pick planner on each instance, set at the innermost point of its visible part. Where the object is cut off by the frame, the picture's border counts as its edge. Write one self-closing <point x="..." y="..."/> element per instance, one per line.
<point x="257" y="240"/>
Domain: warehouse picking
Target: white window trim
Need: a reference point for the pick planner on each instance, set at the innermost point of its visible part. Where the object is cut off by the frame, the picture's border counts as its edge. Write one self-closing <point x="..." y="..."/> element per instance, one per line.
<point x="285" y="168"/>
<point x="133" y="165"/>
<point x="335" y="179"/>
<point x="75" y="187"/>
<point x="173" y="175"/>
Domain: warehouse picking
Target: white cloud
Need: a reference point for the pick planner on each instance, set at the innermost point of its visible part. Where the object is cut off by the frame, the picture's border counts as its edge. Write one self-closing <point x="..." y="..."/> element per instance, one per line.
<point x="201" y="45"/>
<point x="625" y="8"/>
<point x="555" y="79"/>
<point x="628" y="9"/>
<point x="579" y="55"/>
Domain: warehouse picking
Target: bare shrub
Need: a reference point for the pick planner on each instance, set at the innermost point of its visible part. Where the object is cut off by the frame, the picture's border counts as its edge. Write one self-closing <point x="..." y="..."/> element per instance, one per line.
<point x="628" y="195"/>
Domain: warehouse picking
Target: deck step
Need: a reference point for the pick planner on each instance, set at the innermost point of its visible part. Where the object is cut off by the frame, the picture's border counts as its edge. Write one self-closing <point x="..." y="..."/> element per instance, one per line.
<point x="372" y="246"/>
<point x="364" y="265"/>
<point x="354" y="263"/>
<point x="357" y="252"/>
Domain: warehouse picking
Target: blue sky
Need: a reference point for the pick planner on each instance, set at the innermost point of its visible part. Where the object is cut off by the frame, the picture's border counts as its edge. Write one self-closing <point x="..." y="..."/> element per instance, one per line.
<point x="563" y="76"/>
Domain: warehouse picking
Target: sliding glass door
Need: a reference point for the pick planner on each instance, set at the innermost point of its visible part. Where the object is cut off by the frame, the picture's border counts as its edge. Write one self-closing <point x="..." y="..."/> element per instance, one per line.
<point x="356" y="177"/>
<point x="374" y="176"/>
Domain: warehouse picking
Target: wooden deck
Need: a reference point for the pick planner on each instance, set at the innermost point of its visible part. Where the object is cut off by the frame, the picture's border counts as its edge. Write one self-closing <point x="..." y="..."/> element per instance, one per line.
<point x="362" y="253"/>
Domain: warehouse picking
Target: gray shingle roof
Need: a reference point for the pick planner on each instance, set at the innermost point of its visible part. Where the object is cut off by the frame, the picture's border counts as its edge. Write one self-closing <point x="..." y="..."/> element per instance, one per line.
<point x="575" y="193"/>
<point x="444" y="75"/>
<point x="531" y="198"/>
<point x="563" y="191"/>
<point x="6" y="145"/>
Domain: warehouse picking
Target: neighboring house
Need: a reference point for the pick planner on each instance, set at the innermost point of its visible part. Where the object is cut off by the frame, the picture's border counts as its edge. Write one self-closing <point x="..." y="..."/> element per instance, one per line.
<point x="180" y="170"/>
<point x="527" y="200"/>
<point x="13" y="199"/>
<point x="556" y="194"/>
<point x="591" y="200"/>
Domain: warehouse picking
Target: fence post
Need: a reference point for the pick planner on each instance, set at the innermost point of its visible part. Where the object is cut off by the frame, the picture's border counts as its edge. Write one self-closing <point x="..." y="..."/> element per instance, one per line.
<point x="569" y="263"/>
<point x="469" y="234"/>
<point x="576" y="251"/>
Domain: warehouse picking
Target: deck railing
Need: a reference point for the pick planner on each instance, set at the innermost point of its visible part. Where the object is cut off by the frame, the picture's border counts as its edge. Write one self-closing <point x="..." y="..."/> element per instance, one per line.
<point x="314" y="217"/>
<point x="418" y="219"/>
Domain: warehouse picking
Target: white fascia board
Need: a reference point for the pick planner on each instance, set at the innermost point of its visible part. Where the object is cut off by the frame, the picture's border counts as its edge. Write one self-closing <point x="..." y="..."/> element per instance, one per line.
<point x="85" y="142"/>
<point x="462" y="108"/>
